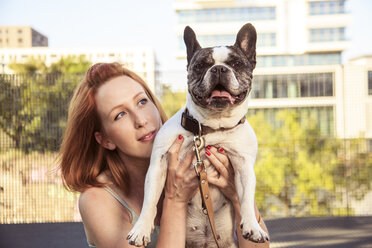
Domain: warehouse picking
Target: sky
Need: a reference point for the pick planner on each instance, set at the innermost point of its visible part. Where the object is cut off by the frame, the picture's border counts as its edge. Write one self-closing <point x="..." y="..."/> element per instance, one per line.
<point x="101" y="23"/>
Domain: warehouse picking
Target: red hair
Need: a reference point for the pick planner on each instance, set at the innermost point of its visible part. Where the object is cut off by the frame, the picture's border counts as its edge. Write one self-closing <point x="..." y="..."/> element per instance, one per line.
<point x="82" y="159"/>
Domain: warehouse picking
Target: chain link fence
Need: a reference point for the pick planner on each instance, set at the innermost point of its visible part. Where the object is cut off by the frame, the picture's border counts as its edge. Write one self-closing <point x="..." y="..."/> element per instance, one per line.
<point x="307" y="174"/>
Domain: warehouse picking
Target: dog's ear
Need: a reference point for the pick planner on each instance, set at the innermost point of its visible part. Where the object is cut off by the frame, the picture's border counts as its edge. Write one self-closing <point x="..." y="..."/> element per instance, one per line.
<point x="246" y="41"/>
<point x="192" y="45"/>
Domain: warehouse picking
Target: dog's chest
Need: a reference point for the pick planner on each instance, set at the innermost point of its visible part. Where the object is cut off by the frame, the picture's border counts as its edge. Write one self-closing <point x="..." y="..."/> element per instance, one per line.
<point x="199" y="232"/>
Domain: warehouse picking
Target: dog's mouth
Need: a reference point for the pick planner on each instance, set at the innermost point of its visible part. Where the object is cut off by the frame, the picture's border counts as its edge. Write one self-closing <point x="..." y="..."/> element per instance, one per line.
<point x="220" y="97"/>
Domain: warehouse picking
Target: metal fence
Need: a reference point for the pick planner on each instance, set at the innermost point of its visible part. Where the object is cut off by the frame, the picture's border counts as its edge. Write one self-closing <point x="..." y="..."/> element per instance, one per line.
<point x="300" y="171"/>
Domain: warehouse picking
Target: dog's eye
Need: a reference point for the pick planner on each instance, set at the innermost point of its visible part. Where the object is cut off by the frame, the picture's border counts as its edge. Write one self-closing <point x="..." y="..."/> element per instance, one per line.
<point x="198" y="66"/>
<point x="237" y="64"/>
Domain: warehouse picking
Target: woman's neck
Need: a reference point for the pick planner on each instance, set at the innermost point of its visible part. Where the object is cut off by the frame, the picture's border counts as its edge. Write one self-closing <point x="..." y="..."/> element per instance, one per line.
<point x="137" y="169"/>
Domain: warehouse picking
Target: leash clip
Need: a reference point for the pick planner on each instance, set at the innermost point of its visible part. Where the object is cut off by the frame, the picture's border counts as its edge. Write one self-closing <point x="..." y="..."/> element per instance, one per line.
<point x="198" y="145"/>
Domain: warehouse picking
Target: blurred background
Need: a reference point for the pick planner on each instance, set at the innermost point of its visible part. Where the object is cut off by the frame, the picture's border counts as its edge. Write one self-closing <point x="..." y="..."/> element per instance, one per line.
<point x="311" y="103"/>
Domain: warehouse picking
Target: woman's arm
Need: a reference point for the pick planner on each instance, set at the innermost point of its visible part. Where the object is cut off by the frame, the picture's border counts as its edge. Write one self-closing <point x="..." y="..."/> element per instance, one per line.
<point x="224" y="179"/>
<point x="180" y="187"/>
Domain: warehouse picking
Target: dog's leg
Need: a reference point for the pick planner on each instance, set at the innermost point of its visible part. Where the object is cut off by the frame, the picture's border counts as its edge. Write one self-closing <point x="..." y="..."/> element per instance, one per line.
<point x="154" y="184"/>
<point x="245" y="180"/>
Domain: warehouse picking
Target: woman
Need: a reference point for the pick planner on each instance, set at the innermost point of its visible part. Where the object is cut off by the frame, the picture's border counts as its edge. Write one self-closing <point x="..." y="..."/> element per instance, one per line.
<point x="112" y="123"/>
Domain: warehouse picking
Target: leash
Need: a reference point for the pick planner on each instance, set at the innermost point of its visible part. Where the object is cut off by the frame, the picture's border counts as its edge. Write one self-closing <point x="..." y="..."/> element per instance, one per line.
<point x="203" y="184"/>
<point x="192" y="125"/>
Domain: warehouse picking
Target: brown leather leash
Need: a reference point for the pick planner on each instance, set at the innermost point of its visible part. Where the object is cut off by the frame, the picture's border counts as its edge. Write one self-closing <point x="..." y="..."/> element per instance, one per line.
<point x="203" y="185"/>
<point x="192" y="125"/>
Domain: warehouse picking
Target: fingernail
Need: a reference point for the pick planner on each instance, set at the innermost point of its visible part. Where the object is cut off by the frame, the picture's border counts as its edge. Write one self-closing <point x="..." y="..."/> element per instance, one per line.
<point x="208" y="153"/>
<point x="208" y="147"/>
<point x="180" y="137"/>
<point x="220" y="149"/>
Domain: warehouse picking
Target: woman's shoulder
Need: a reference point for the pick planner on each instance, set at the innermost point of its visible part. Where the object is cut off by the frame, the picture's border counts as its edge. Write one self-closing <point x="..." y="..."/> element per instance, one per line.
<point x="96" y="201"/>
<point x="94" y="198"/>
<point x="105" y="221"/>
<point x="96" y="194"/>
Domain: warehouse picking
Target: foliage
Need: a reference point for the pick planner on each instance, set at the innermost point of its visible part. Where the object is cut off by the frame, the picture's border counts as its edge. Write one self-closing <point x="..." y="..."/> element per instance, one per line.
<point x="34" y="106"/>
<point x="69" y="65"/>
<point x="172" y="101"/>
<point x="31" y="66"/>
<point x="301" y="173"/>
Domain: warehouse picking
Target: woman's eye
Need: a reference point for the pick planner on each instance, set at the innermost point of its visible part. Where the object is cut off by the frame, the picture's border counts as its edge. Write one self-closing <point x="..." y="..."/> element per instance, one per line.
<point x="143" y="101"/>
<point x="121" y="114"/>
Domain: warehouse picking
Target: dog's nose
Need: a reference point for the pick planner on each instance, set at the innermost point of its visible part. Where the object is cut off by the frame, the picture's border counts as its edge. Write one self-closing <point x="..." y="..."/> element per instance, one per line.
<point x="219" y="69"/>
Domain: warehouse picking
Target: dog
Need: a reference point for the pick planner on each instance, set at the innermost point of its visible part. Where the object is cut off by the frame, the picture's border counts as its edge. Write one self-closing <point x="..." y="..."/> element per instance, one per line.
<point x="219" y="82"/>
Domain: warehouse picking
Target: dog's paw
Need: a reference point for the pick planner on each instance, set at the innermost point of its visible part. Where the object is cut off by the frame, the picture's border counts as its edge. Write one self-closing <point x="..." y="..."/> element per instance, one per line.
<point x="254" y="232"/>
<point x="140" y="234"/>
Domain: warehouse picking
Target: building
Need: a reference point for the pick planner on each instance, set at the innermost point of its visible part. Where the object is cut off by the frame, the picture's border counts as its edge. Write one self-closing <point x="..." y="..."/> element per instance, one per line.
<point x="299" y="64"/>
<point x="139" y="59"/>
<point x="21" y="36"/>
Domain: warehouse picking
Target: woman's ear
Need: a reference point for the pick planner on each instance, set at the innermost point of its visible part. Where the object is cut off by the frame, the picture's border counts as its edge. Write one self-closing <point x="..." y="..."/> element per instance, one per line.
<point x="104" y="142"/>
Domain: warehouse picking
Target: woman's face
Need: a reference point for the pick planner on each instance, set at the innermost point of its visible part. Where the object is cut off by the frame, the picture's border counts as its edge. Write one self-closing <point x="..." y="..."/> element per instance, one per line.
<point x="129" y="118"/>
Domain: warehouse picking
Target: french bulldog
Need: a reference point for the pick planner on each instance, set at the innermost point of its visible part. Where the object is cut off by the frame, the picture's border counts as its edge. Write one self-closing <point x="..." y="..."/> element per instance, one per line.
<point x="219" y="82"/>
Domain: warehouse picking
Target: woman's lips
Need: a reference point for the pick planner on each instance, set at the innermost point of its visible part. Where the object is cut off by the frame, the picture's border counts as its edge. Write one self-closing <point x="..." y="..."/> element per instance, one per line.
<point x="148" y="137"/>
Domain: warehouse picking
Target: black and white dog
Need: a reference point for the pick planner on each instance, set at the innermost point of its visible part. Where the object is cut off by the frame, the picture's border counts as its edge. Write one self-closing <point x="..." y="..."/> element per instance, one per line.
<point x="219" y="81"/>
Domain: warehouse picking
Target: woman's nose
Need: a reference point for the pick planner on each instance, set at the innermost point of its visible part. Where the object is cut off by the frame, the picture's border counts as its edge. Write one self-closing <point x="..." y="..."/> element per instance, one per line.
<point x="140" y="120"/>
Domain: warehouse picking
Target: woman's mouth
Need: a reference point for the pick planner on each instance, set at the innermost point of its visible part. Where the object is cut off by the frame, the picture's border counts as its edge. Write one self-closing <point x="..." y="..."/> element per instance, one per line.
<point x="148" y="137"/>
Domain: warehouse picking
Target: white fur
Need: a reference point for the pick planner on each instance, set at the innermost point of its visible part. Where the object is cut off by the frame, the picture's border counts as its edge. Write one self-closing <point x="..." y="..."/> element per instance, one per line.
<point x="241" y="147"/>
<point x="220" y="54"/>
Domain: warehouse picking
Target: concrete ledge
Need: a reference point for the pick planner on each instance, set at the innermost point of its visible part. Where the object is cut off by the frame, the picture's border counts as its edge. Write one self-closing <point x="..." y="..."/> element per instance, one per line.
<point x="324" y="232"/>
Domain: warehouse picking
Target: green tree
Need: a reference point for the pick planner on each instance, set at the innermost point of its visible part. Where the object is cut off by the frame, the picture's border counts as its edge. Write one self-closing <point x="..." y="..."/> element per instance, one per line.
<point x="34" y="106"/>
<point x="31" y="66"/>
<point x="172" y="101"/>
<point x="10" y="104"/>
<point x="295" y="167"/>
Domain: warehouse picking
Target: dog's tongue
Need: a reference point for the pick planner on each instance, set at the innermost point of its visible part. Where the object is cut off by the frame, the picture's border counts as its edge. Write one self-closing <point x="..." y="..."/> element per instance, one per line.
<point x="217" y="93"/>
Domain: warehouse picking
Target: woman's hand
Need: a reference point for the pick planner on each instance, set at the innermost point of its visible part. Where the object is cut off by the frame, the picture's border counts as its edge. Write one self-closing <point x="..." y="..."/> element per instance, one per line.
<point x="223" y="177"/>
<point x="181" y="181"/>
<point x="180" y="187"/>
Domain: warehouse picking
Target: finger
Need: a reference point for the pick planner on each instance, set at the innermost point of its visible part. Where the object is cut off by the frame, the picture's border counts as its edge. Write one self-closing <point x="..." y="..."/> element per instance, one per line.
<point x="220" y="154"/>
<point x="190" y="175"/>
<point x="216" y="181"/>
<point x="217" y="164"/>
<point x="186" y="161"/>
<point x="173" y="151"/>
<point x="213" y="173"/>
<point x="206" y="163"/>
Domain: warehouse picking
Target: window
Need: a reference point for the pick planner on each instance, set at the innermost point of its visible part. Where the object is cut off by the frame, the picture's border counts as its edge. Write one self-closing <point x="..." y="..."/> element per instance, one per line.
<point x="327" y="7"/>
<point x="19" y="31"/>
<point x="263" y="40"/>
<point x="227" y="14"/>
<point x="266" y="40"/>
<point x="295" y="60"/>
<point x="323" y="117"/>
<point x="370" y="83"/>
<point x="327" y="34"/>
<point x="20" y="40"/>
<point x="293" y="85"/>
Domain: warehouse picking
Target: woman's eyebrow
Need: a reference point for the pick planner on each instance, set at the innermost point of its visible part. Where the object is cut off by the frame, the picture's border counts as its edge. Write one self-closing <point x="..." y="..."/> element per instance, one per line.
<point x="121" y="104"/>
